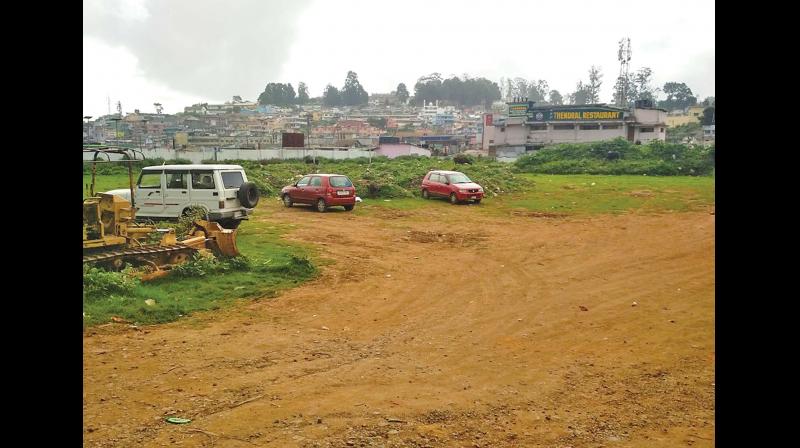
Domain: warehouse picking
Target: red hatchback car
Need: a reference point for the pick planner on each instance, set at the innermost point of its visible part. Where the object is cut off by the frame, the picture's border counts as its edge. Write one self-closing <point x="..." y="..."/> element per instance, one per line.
<point x="321" y="191"/>
<point x="451" y="184"/>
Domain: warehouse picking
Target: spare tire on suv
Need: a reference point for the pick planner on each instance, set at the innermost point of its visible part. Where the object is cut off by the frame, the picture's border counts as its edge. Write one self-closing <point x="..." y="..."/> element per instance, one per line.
<point x="248" y="195"/>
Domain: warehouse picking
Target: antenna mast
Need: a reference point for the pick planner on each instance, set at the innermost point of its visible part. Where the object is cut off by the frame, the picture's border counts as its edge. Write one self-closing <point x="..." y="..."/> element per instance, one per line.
<point x="624" y="57"/>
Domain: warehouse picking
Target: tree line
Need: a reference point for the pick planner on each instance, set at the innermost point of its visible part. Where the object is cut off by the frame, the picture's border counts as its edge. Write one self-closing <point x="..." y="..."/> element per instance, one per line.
<point x="480" y="91"/>
<point x="279" y="94"/>
<point x="463" y="92"/>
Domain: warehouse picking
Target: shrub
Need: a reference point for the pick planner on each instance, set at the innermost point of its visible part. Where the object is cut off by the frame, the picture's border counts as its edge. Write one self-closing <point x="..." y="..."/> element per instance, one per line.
<point x="618" y="157"/>
<point x="204" y="263"/>
<point x="462" y="159"/>
<point x="99" y="283"/>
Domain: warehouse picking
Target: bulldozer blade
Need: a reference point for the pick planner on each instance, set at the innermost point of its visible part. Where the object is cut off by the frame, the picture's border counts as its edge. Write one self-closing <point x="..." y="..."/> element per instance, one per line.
<point x="226" y="243"/>
<point x="220" y="240"/>
<point x="153" y="275"/>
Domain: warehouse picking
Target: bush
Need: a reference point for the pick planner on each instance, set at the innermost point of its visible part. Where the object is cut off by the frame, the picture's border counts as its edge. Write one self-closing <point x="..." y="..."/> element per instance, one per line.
<point x="204" y="263"/>
<point x="462" y="159"/>
<point x="99" y="283"/>
<point x="380" y="178"/>
<point x="299" y="267"/>
<point x="619" y="157"/>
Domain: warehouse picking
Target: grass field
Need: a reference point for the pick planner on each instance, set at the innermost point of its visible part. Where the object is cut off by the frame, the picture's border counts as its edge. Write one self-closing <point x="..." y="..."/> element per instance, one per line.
<point x="107" y="182"/>
<point x="586" y="194"/>
<point x="276" y="266"/>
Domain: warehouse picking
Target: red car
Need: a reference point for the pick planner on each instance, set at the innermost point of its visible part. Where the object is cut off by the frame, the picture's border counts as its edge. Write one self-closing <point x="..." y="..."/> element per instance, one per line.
<point x="321" y="191"/>
<point x="451" y="184"/>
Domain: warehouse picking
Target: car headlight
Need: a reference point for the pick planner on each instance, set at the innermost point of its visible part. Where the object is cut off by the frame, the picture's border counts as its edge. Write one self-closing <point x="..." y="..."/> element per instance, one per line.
<point x="463" y="191"/>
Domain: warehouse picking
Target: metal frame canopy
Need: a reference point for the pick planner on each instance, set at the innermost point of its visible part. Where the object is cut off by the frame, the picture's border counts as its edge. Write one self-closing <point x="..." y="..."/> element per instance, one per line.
<point x="129" y="156"/>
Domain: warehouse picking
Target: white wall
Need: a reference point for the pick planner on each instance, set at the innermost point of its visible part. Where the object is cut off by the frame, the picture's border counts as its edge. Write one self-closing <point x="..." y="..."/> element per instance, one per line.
<point x="246" y="154"/>
<point x="649" y="116"/>
<point x="646" y="137"/>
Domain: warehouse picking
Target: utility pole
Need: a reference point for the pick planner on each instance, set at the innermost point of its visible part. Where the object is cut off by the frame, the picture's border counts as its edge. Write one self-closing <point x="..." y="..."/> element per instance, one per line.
<point x="308" y="136"/>
<point x="88" y="118"/>
<point x="624" y="57"/>
<point x="116" y="129"/>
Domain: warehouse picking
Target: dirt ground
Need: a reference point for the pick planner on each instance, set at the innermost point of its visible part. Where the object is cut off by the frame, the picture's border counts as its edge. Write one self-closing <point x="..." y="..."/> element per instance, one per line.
<point x="440" y="326"/>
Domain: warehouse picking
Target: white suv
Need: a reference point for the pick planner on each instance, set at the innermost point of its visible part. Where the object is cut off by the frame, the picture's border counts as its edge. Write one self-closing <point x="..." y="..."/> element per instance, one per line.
<point x="170" y="191"/>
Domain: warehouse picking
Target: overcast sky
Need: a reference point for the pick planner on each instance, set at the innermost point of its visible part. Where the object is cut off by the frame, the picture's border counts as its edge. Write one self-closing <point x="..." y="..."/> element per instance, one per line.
<point x="180" y="52"/>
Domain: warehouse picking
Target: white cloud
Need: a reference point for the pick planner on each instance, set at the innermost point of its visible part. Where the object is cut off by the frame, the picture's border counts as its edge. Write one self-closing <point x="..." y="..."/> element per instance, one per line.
<point x="215" y="49"/>
<point x="113" y="72"/>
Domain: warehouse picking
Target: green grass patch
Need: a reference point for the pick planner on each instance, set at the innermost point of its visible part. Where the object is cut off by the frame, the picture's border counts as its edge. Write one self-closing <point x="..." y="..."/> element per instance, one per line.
<point x="620" y="157"/>
<point x="380" y="179"/>
<point x="105" y="182"/>
<point x="272" y="264"/>
<point x="587" y="194"/>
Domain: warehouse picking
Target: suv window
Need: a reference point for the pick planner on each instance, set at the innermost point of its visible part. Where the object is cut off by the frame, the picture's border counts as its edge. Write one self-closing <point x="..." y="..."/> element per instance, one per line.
<point x="150" y="179"/>
<point x="316" y="181"/>
<point x="177" y="180"/>
<point x="202" y="180"/>
<point x="303" y="182"/>
<point x="434" y="178"/>
<point x="340" y="181"/>
<point x="232" y="179"/>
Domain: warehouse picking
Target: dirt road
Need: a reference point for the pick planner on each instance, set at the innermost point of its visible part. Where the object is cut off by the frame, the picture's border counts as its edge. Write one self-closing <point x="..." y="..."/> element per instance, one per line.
<point x="436" y="327"/>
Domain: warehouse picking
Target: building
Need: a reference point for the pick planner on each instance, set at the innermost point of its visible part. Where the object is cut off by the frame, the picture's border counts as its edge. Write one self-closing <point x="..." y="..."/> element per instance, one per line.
<point x="526" y="127"/>
<point x="710" y="132"/>
<point x="679" y="120"/>
<point x="392" y="150"/>
<point x="692" y="114"/>
<point x="435" y="115"/>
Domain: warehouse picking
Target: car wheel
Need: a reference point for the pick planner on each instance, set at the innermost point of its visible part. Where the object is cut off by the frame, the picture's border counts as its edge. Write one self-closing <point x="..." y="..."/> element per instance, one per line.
<point x="321" y="207"/>
<point x="287" y="200"/>
<point x="425" y="194"/>
<point x="349" y="207"/>
<point x="248" y="194"/>
<point x="453" y="199"/>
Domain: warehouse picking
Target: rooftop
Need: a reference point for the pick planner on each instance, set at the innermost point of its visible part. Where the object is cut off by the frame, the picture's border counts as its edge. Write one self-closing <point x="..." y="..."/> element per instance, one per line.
<point x="193" y="167"/>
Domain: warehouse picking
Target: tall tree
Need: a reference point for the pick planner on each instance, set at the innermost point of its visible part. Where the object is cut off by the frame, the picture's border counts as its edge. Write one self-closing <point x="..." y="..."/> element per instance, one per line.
<point x="537" y="90"/>
<point x="679" y="96"/>
<point x="622" y="91"/>
<point x="556" y="98"/>
<point x="428" y="88"/>
<point x="302" y="93"/>
<point x="353" y="94"/>
<point x="453" y="90"/>
<point x="277" y="94"/>
<point x="580" y="95"/>
<point x="402" y="93"/>
<point x="519" y="87"/>
<point x="466" y="92"/>
<point x="709" y="101"/>
<point x="331" y="97"/>
<point x="593" y="87"/>
<point x="642" y="88"/>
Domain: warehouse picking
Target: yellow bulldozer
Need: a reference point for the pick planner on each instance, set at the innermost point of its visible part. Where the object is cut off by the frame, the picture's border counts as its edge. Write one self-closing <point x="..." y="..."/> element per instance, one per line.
<point x="113" y="238"/>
